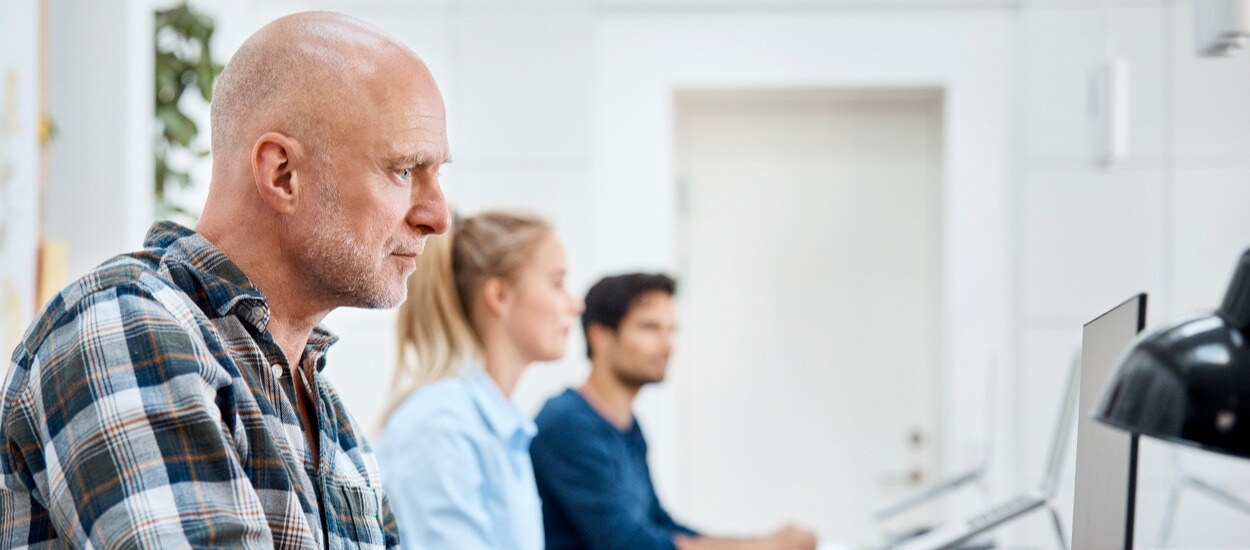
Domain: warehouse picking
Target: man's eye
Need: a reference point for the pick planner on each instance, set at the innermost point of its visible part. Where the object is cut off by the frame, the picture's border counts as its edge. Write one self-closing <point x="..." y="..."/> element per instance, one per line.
<point x="405" y="173"/>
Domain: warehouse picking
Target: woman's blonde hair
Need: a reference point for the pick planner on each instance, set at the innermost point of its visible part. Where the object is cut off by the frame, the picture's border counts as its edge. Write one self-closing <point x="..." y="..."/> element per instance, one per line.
<point x="436" y="329"/>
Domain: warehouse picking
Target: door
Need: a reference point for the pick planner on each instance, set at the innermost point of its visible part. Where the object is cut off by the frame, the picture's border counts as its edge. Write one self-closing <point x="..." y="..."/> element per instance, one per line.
<point x="809" y="306"/>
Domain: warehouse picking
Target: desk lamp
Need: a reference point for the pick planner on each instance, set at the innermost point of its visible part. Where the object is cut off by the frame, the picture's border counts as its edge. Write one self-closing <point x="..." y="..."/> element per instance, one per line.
<point x="1188" y="382"/>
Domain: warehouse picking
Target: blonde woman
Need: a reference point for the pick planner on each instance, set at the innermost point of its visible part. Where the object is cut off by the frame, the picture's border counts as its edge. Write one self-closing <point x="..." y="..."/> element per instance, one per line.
<point x="487" y="300"/>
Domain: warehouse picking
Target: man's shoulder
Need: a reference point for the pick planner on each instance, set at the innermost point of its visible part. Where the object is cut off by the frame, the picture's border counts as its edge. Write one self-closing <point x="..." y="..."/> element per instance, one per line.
<point x="564" y="408"/>
<point x="124" y="297"/>
<point x="567" y="419"/>
<point x="132" y="271"/>
<point x="136" y="275"/>
<point x="123" y="270"/>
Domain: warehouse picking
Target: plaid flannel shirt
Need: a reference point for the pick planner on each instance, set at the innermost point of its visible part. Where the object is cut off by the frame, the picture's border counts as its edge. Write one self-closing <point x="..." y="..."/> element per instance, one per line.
<point x="148" y="407"/>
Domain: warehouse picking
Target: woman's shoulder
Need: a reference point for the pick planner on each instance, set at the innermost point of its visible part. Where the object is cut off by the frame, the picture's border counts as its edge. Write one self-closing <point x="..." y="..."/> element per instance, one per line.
<point x="439" y="405"/>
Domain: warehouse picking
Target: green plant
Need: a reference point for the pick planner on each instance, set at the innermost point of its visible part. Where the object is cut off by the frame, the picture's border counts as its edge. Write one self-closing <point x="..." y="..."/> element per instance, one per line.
<point x="183" y="61"/>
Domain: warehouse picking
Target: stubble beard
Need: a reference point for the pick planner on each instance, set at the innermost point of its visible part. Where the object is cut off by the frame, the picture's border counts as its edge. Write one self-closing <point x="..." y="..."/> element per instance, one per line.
<point x="635" y="380"/>
<point x="343" y="269"/>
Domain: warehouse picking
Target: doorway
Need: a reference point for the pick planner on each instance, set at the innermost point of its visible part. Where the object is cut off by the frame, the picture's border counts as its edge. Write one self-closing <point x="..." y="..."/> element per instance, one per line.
<point x="810" y="254"/>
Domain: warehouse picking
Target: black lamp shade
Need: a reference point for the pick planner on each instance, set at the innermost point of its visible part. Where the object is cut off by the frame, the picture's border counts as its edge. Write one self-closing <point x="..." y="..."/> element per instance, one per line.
<point x="1189" y="382"/>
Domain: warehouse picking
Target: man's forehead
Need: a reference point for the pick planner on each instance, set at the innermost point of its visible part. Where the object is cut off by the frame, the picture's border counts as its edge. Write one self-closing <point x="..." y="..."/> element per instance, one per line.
<point x="406" y="107"/>
<point x="650" y="305"/>
<point x="420" y="152"/>
<point x="416" y="140"/>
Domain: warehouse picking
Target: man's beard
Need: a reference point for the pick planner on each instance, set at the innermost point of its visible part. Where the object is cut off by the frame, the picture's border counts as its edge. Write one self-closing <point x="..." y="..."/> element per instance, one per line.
<point x="343" y="270"/>
<point x="636" y="380"/>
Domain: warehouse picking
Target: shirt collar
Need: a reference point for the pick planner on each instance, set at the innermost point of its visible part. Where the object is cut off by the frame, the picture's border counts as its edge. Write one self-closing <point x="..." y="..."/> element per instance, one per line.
<point x="503" y="416"/>
<point x="222" y="286"/>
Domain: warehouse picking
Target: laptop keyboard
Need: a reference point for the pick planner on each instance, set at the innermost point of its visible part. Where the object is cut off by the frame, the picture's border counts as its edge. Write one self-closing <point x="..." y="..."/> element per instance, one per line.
<point x="1002" y="511"/>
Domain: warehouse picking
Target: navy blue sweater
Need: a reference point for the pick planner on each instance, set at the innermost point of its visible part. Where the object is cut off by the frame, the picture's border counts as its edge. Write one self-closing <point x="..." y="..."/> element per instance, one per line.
<point x="594" y="482"/>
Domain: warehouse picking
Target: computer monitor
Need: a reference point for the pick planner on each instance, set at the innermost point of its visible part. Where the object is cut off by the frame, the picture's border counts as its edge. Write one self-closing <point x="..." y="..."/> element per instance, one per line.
<point x="1106" y="459"/>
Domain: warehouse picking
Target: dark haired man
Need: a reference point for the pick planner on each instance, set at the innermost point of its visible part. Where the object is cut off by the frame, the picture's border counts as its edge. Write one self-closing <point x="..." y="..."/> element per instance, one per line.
<point x="590" y="456"/>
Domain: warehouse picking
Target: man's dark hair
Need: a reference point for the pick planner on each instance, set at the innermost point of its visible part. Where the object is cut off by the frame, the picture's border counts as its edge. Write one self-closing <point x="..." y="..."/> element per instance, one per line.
<point x="611" y="298"/>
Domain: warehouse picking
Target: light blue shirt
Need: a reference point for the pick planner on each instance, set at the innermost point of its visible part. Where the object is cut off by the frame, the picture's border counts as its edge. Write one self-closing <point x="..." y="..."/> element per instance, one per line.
<point x="455" y="462"/>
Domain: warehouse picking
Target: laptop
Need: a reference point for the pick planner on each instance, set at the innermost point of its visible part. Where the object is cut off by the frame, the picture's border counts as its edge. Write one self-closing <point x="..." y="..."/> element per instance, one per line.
<point x="955" y="533"/>
<point x="954" y="482"/>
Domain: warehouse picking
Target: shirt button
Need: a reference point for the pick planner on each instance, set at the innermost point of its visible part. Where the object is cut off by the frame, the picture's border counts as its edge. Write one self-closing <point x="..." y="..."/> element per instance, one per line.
<point x="277" y="370"/>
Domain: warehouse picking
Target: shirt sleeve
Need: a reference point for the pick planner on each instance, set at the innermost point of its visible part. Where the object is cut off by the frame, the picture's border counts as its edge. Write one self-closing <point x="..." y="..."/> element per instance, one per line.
<point x="657" y="510"/>
<point x="576" y="473"/>
<point x="118" y="432"/>
<point x="667" y="520"/>
<point x="435" y="483"/>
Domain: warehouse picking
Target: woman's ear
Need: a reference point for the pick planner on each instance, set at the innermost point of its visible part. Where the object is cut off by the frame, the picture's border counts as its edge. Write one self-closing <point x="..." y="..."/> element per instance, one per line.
<point x="496" y="296"/>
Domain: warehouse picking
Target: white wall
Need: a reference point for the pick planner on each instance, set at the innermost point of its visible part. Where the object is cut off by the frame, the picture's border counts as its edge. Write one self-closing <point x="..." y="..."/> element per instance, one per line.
<point x="1169" y="220"/>
<point x="19" y="169"/>
<point x="100" y="82"/>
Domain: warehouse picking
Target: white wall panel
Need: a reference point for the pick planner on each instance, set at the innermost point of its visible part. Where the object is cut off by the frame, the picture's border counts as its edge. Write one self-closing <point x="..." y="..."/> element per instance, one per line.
<point x="526" y="83"/>
<point x="1091" y="239"/>
<point x="19" y="170"/>
<point x="1212" y="116"/>
<point x="1212" y="231"/>
<point x="100" y="98"/>
<point x="1062" y="50"/>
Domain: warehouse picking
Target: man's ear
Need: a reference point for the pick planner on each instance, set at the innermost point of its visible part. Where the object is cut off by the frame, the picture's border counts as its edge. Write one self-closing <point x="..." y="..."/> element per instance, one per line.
<point x="599" y="337"/>
<point x="275" y="159"/>
<point x="496" y="295"/>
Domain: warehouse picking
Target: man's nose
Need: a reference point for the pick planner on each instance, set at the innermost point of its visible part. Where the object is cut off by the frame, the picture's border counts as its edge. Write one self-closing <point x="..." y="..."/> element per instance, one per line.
<point x="429" y="213"/>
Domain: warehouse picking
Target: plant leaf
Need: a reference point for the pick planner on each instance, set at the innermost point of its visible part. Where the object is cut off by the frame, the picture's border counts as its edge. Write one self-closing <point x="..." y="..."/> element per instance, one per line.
<point x="179" y="128"/>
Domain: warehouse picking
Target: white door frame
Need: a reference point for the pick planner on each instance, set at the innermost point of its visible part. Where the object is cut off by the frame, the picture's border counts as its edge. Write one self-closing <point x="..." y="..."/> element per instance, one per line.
<point x="721" y="105"/>
<point x="642" y="60"/>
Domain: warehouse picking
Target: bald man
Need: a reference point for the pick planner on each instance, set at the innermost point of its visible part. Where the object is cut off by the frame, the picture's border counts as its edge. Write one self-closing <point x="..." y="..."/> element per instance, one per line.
<point x="173" y="397"/>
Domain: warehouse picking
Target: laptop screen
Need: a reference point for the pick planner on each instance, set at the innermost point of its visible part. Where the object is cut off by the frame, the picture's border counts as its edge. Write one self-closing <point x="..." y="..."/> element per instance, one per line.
<point x="1105" y="457"/>
<point x="1063" y="428"/>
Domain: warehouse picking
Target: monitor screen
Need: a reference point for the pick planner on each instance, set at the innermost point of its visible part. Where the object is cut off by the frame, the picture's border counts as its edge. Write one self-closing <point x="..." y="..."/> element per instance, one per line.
<point x="1106" y="458"/>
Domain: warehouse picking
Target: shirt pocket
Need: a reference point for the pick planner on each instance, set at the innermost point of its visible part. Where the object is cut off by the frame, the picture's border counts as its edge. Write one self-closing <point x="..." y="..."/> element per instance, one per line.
<point x="366" y="515"/>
